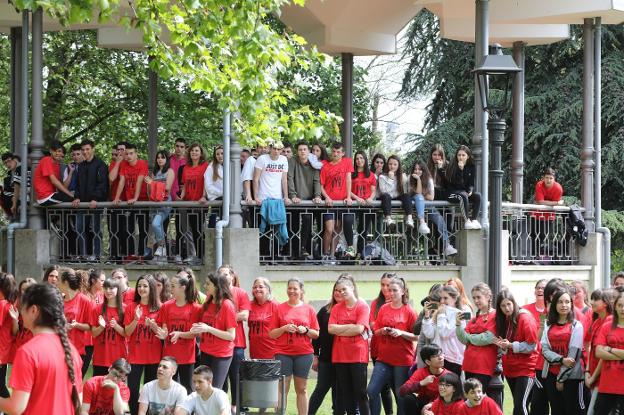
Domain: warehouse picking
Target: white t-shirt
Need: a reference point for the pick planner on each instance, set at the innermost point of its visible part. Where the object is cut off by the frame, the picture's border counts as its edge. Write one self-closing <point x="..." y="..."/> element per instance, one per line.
<point x="215" y="405"/>
<point x="213" y="190"/>
<point x="162" y="401"/>
<point x="248" y="169"/>
<point x="270" y="184"/>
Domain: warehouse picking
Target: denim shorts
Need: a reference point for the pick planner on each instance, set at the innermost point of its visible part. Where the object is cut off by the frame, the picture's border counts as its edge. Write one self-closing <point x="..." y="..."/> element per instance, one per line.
<point x="298" y="365"/>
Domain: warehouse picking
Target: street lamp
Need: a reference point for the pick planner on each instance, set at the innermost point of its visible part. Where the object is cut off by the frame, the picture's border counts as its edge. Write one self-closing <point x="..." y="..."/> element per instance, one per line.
<point x="495" y="77"/>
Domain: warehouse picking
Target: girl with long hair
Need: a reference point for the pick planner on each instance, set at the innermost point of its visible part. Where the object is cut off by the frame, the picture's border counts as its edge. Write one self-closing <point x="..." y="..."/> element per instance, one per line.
<point x="363" y="189"/>
<point x="213" y="182"/>
<point x="263" y="307"/>
<point x="78" y="309"/>
<point x="8" y="325"/>
<point x="320" y="152"/>
<point x="348" y="322"/>
<point x="451" y="399"/>
<point x="163" y="286"/>
<point x="176" y="317"/>
<point x="437" y="165"/>
<point x="94" y="290"/>
<point x="51" y="274"/>
<point x="161" y="173"/>
<point x="394" y="327"/>
<point x="143" y="333"/>
<point x="191" y="226"/>
<point x="393" y="185"/>
<point x="217" y="328"/>
<point x="461" y="175"/>
<point x="466" y="305"/>
<point x="109" y="337"/>
<point x="23" y="335"/>
<point x="517" y="338"/>
<point x="378" y="162"/>
<point x="294" y="326"/>
<point x="45" y="377"/>
<point x="562" y="346"/>
<point x="602" y="313"/>
<point x="421" y="189"/>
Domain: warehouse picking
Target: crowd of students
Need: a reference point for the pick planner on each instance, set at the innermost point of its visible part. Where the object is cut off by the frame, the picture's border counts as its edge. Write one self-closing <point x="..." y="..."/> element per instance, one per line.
<point x="561" y="354"/>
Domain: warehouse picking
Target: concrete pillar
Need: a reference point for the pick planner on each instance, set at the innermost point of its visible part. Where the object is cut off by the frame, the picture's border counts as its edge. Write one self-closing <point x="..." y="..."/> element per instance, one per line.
<point x="242" y="251"/>
<point x="16" y="77"/>
<point x="471" y="257"/>
<point x="347" y="103"/>
<point x="517" y="133"/>
<point x="587" y="152"/>
<point x="236" y="212"/>
<point x="152" y="115"/>
<point x="33" y="247"/>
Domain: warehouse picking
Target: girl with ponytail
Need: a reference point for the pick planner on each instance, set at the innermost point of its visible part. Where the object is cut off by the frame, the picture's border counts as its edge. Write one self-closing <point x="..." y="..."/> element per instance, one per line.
<point x="45" y="377"/>
<point x="8" y="325"/>
<point x="78" y="309"/>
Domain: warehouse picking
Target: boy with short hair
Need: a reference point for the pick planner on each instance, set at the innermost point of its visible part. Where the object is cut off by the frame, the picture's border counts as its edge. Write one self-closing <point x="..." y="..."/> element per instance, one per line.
<point x="477" y="402"/>
<point x="163" y="394"/>
<point x="422" y="387"/>
<point x="107" y="394"/>
<point x="206" y="400"/>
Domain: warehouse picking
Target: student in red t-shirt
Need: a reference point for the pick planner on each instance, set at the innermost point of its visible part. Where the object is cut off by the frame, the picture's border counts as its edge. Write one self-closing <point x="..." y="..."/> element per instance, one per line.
<point x="45" y="377"/>
<point x="95" y="293"/>
<point x="363" y="189"/>
<point x="118" y="222"/>
<point x="294" y="326"/>
<point x="49" y="188"/>
<point x="548" y="193"/>
<point x="8" y="325"/>
<point x="78" y="309"/>
<point x="422" y="387"/>
<point x="348" y="322"/>
<point x="217" y="328"/>
<point x="127" y="293"/>
<point x="336" y="186"/>
<point x="478" y="336"/>
<point x="517" y="338"/>
<point x="477" y="403"/>
<point x="109" y="338"/>
<point x="562" y="346"/>
<point x="451" y="397"/>
<point x="610" y="348"/>
<point x="176" y="317"/>
<point x="263" y="307"/>
<point x="23" y="335"/>
<point x="144" y="336"/>
<point x="108" y="394"/>
<point x="602" y="307"/>
<point x="393" y="332"/>
<point x="192" y="185"/>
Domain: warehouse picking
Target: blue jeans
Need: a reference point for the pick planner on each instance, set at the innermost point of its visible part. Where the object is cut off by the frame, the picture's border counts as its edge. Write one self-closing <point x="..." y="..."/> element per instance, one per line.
<point x="83" y="220"/>
<point x="440" y="223"/>
<point x="158" y="219"/>
<point x="383" y="374"/>
<point x="419" y="202"/>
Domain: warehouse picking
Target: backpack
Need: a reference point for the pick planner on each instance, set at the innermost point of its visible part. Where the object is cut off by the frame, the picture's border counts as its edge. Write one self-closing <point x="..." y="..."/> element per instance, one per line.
<point x="576" y="225"/>
<point x="157" y="191"/>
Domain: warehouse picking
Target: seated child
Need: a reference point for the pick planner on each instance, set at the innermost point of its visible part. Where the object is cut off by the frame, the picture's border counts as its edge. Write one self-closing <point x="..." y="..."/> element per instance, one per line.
<point x="424" y="381"/>
<point x="451" y="399"/>
<point x="477" y="402"/>
<point x="206" y="400"/>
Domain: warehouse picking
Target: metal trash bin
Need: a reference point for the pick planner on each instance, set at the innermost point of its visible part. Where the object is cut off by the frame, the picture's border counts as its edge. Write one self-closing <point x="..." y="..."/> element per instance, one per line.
<point x="259" y="385"/>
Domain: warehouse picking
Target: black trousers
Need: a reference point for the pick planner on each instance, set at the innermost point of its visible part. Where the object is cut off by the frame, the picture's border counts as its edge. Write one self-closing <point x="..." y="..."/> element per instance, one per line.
<point x="606" y="402"/>
<point x="351" y="387"/>
<point x="301" y="231"/>
<point x="539" y="398"/>
<point x="140" y="221"/>
<point x="521" y="392"/>
<point x="119" y="235"/>
<point x="86" y="361"/>
<point x="134" y="382"/>
<point x="184" y="376"/>
<point x="465" y="201"/>
<point x="484" y="379"/>
<point x="4" y="391"/>
<point x="386" y="203"/>
<point x="568" y="402"/>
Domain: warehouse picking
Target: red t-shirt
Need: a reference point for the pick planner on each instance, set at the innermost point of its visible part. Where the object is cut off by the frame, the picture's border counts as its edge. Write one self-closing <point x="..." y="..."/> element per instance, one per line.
<point x="334" y="178"/>
<point x="80" y="309"/>
<point x="115" y="184"/>
<point x="395" y="351"/>
<point x="128" y="296"/>
<point x="99" y="398"/>
<point x="538" y="317"/>
<point x="95" y="302"/>
<point x="294" y="344"/>
<point x="591" y="337"/>
<point x="6" y="337"/>
<point x="487" y="407"/>
<point x="350" y="349"/>
<point x="43" y="186"/>
<point x="374" y="343"/>
<point x="521" y="364"/>
<point x="481" y="359"/>
<point x="22" y="337"/>
<point x="552" y="194"/>
<point x="425" y="393"/>
<point x="612" y="370"/>
<point x="131" y="174"/>
<point x="223" y="319"/>
<point x="559" y="339"/>
<point x="144" y="348"/>
<point x="439" y="407"/>
<point x="193" y="181"/>
<point x="109" y="345"/>
<point x="261" y="346"/>
<point x="361" y="185"/>
<point x="178" y="318"/>
<point x="241" y="302"/>
<point x="40" y="369"/>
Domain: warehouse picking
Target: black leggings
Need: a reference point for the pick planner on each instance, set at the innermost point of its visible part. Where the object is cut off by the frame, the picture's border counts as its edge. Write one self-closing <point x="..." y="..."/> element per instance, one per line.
<point x="568" y="402"/>
<point x="4" y="391"/>
<point x="184" y="376"/>
<point x="521" y="392"/>
<point x="219" y="367"/>
<point x="351" y="387"/>
<point x="134" y="382"/>
<point x="86" y="360"/>
<point x="539" y="399"/>
<point x="386" y="203"/>
<point x="464" y="203"/>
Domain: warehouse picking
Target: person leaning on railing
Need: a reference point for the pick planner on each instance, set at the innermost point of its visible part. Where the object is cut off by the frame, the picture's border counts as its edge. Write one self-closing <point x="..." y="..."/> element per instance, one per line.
<point x="548" y="193"/>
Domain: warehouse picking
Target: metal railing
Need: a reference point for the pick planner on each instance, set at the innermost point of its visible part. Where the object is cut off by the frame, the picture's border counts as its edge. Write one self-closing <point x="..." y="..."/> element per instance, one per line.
<point x="373" y="241"/>
<point x="539" y="234"/>
<point x="127" y="234"/>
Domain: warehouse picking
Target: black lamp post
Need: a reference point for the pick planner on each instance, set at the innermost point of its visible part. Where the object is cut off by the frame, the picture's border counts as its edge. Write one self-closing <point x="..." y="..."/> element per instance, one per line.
<point x="495" y="77"/>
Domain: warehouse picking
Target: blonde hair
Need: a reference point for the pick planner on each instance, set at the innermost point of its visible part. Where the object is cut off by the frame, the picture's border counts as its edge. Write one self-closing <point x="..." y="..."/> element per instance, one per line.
<point x="267" y="283"/>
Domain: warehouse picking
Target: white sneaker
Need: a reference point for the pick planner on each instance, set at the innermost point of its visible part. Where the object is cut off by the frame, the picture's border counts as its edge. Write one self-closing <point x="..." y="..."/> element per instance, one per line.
<point x="159" y="251"/>
<point x="389" y="221"/>
<point x="423" y="229"/>
<point x="469" y="225"/>
<point x="409" y="222"/>
<point x="475" y="224"/>
<point x="450" y="250"/>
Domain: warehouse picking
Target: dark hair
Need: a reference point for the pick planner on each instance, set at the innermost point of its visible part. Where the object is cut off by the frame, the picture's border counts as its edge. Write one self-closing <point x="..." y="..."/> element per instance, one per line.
<point x="503" y="325"/>
<point x="204" y="371"/>
<point x="401" y="283"/>
<point x="202" y="154"/>
<point x="153" y="301"/>
<point x="156" y="169"/>
<point x="180" y="140"/>
<point x="48" y="270"/>
<point x="165" y="293"/>
<point x="7" y="156"/>
<point x="551" y="287"/>
<point x="539" y="282"/>
<point x="72" y="279"/>
<point x="87" y="143"/>
<point x="398" y="175"/>
<point x="606" y="296"/>
<point x="332" y="301"/>
<point x="287" y="144"/>
<point x="549" y="171"/>
<point x="337" y="145"/>
<point x="374" y="159"/>
<point x="111" y="283"/>
<point x="27" y="280"/>
<point x="121" y="143"/>
<point x="619" y="274"/>
<point x="52" y="315"/>
<point x="215" y="171"/>
<point x="122" y="366"/>
<point x="131" y="146"/>
<point x="347" y="279"/>
<point x="453" y="380"/>
<point x="381" y="299"/>
<point x="553" y="315"/>
<point x="57" y="145"/>
<point x="366" y="171"/>
<point x="323" y="151"/>
<point x="190" y="292"/>
<point x="438" y="180"/>
<point x="8" y="287"/>
<point x="171" y="360"/>
<point x="428" y="351"/>
<point x="472" y="383"/>
<point x="302" y="143"/>
<point x="453" y="166"/>
<point x="425" y="178"/>
<point x="94" y="275"/>
<point x="222" y="290"/>
<point x="454" y="293"/>
<point x="75" y="147"/>
<point x="616" y="317"/>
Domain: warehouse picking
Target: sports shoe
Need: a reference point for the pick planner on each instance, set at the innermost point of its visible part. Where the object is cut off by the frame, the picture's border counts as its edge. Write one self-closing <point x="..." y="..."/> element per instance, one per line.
<point x="409" y="222"/>
<point x="91" y="258"/>
<point x="423" y="229"/>
<point x="160" y="251"/>
<point x="475" y="224"/>
<point x="158" y="260"/>
<point x="469" y="225"/>
<point x="350" y="252"/>
<point x="389" y="221"/>
<point x="450" y="250"/>
<point x="191" y="260"/>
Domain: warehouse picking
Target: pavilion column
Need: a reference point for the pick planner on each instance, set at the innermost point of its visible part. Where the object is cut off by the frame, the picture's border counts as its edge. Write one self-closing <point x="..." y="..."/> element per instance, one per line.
<point x="16" y="79"/>
<point x="236" y="211"/>
<point x="347" y="103"/>
<point x="598" y="118"/>
<point x="37" y="144"/>
<point x="517" y="133"/>
<point x="152" y="114"/>
<point x="587" y="152"/>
